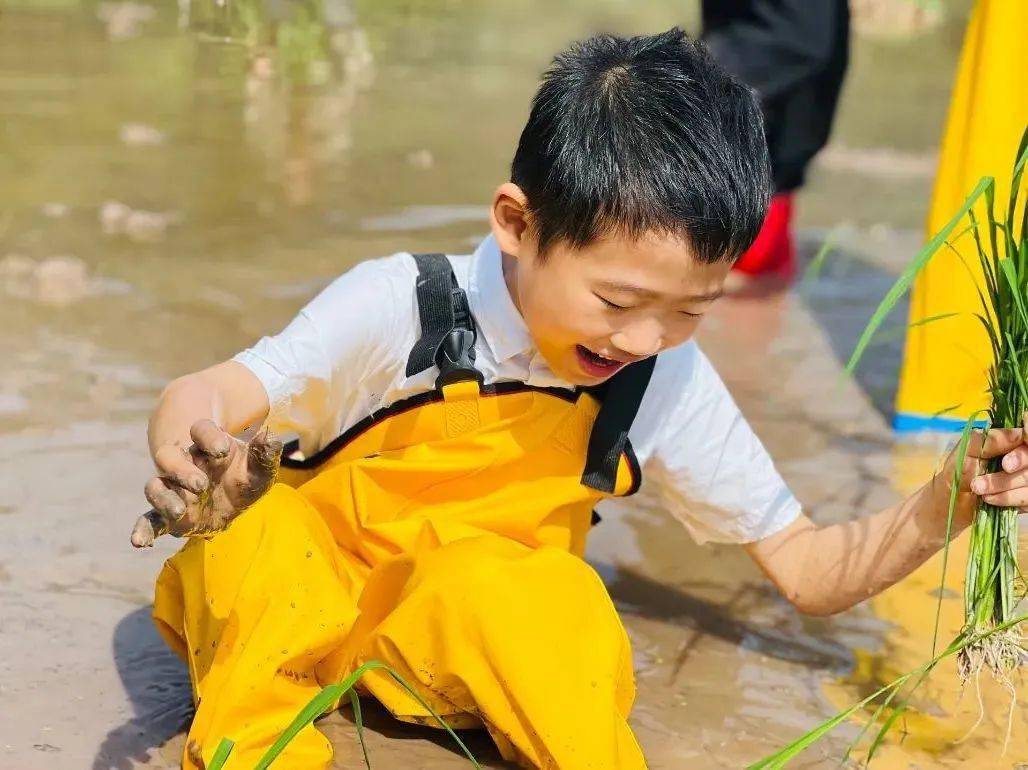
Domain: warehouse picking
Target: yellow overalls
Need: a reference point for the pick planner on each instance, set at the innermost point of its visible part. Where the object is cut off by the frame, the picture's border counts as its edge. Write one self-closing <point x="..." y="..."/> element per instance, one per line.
<point x="443" y="536"/>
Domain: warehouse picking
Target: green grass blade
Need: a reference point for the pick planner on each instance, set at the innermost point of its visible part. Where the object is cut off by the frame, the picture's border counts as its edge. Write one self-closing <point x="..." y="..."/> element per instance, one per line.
<point x="358" y="718"/>
<point x="986" y="305"/>
<point x="897" y="712"/>
<point x="314" y="709"/>
<point x="1010" y="273"/>
<point x="1024" y="225"/>
<point x="780" y="758"/>
<point x="988" y="267"/>
<point x="956" y="238"/>
<point x="817" y="263"/>
<point x="439" y="719"/>
<point x="1022" y="252"/>
<point x="997" y="347"/>
<point x="1016" y="369"/>
<point x="872" y="721"/>
<point x="1021" y="160"/>
<point x="889" y="335"/>
<point x="221" y="754"/>
<point x="931" y="319"/>
<point x="329" y="696"/>
<point x="965" y="440"/>
<point x="990" y="213"/>
<point x="907" y="277"/>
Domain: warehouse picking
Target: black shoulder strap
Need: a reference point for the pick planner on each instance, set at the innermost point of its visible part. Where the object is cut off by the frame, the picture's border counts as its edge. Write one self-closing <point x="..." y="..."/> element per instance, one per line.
<point x="442" y="308"/>
<point x="621" y="399"/>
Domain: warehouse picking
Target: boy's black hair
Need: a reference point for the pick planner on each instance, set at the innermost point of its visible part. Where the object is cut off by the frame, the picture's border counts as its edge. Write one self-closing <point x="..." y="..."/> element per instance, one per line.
<point x="630" y="135"/>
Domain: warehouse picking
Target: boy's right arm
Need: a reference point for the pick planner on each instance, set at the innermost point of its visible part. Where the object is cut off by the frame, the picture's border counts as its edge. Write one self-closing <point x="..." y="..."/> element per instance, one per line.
<point x="205" y="477"/>
<point x="348" y="336"/>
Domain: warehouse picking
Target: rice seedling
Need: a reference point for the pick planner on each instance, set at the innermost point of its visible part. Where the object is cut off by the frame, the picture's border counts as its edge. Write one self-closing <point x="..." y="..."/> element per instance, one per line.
<point x="963" y="640"/>
<point x="323" y="702"/>
<point x="991" y="638"/>
<point x="992" y="577"/>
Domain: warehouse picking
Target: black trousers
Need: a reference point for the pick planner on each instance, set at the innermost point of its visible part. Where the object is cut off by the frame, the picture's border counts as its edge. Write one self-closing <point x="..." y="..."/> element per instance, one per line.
<point x="794" y="53"/>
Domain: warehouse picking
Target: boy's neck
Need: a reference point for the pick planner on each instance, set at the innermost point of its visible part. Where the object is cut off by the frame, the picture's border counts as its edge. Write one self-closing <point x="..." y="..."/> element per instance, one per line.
<point x="510" y="278"/>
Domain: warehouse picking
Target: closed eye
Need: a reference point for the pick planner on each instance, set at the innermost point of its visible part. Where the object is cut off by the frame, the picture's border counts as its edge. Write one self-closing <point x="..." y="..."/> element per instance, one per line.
<point x="612" y="305"/>
<point x="691" y="315"/>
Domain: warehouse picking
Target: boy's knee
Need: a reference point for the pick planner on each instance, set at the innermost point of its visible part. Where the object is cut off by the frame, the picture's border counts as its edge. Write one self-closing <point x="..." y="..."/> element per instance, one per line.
<point x="281" y="512"/>
<point x="490" y="570"/>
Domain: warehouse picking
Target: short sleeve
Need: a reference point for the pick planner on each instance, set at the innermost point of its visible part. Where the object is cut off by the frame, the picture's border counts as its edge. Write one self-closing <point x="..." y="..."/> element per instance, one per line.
<point x="710" y="469"/>
<point x="327" y="365"/>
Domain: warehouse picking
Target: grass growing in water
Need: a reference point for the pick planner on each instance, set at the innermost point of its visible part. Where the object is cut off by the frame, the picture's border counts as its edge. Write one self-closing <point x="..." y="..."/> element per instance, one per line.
<point x="991" y="639"/>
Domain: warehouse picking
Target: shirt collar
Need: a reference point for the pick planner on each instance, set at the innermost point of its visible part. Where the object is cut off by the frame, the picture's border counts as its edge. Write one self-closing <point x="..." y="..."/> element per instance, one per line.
<point x="498" y="318"/>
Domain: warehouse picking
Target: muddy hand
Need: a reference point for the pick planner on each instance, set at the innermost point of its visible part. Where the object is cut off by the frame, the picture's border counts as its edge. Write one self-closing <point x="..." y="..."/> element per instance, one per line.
<point x="198" y="491"/>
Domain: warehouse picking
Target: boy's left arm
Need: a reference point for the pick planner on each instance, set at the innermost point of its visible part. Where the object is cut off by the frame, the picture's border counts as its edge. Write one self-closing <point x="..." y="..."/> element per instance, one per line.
<point x="823" y="570"/>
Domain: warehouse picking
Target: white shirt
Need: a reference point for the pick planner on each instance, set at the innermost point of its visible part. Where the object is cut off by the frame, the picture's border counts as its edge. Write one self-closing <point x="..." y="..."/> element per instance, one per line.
<point x="344" y="357"/>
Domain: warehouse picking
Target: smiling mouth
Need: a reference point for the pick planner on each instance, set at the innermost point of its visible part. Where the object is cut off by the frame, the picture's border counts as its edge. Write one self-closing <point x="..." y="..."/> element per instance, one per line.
<point x="596" y="365"/>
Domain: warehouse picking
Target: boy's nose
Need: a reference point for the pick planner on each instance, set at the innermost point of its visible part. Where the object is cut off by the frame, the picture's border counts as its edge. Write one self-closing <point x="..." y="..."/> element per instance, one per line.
<point x="642" y="340"/>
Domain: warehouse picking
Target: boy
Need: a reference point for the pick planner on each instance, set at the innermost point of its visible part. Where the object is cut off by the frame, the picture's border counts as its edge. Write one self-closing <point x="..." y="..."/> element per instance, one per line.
<point x="458" y="420"/>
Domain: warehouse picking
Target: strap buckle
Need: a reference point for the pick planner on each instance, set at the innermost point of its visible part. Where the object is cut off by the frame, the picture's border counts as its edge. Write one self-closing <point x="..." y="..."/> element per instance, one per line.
<point x="456" y="358"/>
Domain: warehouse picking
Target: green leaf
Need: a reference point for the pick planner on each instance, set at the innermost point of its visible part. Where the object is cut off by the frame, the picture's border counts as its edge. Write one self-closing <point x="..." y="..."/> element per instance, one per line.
<point x="439" y="719"/>
<point x="221" y="754"/>
<point x="1016" y="368"/>
<point x="988" y="267"/>
<point x="325" y="699"/>
<point x="986" y="306"/>
<point x="990" y="213"/>
<point x="314" y="709"/>
<point x="893" y="718"/>
<point x="781" y="757"/>
<point x="355" y="702"/>
<point x="958" y="475"/>
<point x="907" y="277"/>
<point x="997" y="347"/>
<point x="1020" y="161"/>
<point x="888" y="335"/>
<point x="1007" y="266"/>
<point x="817" y="263"/>
<point x="872" y="721"/>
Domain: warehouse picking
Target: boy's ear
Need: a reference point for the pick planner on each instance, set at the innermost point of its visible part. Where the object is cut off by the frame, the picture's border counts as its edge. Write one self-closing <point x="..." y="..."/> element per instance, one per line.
<point x="509" y="219"/>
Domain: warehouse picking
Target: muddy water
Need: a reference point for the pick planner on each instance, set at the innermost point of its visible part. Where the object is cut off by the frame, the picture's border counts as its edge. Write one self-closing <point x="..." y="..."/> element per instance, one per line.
<point x="179" y="178"/>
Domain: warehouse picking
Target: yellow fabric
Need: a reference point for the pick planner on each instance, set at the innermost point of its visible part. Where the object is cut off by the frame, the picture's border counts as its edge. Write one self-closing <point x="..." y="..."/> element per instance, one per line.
<point x="445" y="540"/>
<point x="945" y="362"/>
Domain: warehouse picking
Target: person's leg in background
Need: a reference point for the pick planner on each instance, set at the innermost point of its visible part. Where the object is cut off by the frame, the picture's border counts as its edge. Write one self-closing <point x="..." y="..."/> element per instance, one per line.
<point x="794" y="53"/>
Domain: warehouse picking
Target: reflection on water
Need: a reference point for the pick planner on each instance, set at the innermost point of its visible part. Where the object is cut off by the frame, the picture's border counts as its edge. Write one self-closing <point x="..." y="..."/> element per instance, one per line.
<point x="169" y="167"/>
<point x="179" y="177"/>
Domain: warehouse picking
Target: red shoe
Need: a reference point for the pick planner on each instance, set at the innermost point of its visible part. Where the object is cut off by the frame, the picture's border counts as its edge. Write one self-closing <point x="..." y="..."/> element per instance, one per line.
<point x="773" y="252"/>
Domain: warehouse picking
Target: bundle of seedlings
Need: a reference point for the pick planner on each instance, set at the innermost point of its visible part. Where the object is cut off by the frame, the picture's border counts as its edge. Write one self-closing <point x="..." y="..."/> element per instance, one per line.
<point x="991" y="638"/>
<point x="993" y="583"/>
<point x="993" y="579"/>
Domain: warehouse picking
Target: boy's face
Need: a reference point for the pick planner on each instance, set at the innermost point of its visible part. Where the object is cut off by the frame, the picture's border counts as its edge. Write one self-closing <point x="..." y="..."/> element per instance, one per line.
<point x="593" y="310"/>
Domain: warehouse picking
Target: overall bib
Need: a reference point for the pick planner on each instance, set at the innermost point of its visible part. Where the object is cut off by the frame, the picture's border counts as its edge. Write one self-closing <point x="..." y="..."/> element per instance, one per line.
<point x="442" y="536"/>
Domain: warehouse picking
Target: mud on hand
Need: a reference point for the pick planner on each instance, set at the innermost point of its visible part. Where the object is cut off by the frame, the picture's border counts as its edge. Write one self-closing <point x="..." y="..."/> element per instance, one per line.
<point x="200" y="490"/>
